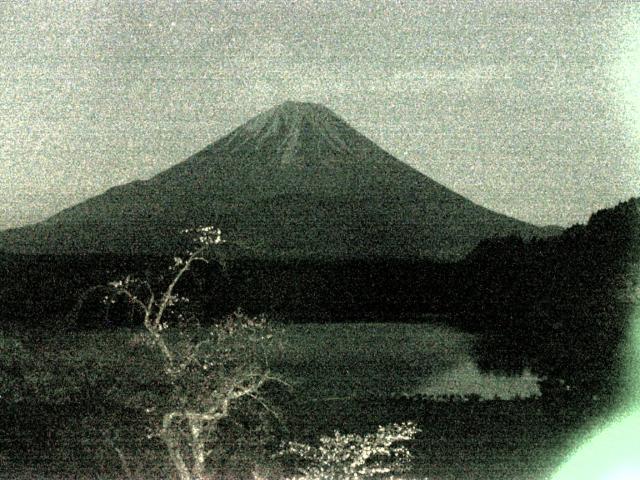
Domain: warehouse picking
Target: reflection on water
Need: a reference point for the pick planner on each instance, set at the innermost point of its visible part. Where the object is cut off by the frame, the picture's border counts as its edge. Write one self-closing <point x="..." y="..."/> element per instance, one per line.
<point x="364" y="359"/>
<point x="467" y="379"/>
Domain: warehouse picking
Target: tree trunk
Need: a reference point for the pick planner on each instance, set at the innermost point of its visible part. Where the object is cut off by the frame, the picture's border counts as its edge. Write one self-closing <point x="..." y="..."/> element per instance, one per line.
<point x="174" y="449"/>
<point x="197" y="448"/>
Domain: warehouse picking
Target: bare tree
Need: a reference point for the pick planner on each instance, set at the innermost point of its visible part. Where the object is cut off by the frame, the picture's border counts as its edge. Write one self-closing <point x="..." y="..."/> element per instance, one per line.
<point x="210" y="371"/>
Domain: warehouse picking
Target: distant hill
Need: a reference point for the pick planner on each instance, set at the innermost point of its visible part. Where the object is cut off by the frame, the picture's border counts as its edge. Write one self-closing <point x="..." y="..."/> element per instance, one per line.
<point x="294" y="181"/>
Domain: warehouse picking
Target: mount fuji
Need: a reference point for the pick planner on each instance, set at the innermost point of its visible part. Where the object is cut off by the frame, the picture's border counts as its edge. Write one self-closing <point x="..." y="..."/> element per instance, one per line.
<point x="294" y="181"/>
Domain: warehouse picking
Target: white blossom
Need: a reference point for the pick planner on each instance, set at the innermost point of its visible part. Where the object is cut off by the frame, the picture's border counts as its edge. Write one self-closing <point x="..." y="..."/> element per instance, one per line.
<point x="355" y="457"/>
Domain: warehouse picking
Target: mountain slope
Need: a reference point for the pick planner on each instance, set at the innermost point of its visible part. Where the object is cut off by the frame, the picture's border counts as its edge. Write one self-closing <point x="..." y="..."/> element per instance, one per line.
<point x="295" y="180"/>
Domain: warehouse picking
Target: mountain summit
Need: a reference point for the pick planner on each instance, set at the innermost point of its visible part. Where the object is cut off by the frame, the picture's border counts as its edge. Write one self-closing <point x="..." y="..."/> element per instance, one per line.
<point x="298" y="134"/>
<point x="292" y="148"/>
<point x="295" y="180"/>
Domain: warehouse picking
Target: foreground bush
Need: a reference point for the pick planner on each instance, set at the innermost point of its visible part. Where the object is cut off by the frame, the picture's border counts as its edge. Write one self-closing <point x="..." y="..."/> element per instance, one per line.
<point x="355" y="457"/>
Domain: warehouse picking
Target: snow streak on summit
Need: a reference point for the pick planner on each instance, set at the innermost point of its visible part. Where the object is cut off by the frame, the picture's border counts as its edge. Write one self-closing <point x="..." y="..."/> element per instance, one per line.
<point x="292" y="127"/>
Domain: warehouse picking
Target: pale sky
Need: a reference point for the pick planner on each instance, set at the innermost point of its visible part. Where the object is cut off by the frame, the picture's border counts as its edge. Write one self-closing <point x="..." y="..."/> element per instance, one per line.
<point x="529" y="108"/>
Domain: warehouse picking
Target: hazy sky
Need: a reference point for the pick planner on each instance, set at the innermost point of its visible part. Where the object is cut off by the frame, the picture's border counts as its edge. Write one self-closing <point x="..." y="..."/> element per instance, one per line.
<point x="529" y="108"/>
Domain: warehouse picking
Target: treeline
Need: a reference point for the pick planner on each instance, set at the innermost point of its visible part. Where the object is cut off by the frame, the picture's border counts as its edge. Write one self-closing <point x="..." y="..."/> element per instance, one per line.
<point x="41" y="287"/>
<point x="561" y="305"/>
<point x="40" y="290"/>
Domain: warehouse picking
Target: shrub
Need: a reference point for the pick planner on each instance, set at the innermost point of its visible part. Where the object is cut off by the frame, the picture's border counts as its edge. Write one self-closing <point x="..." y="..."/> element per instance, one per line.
<point x="355" y="457"/>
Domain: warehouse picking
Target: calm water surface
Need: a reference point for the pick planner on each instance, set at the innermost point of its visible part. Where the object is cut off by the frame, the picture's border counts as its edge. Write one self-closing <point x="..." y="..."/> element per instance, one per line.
<point x="360" y="359"/>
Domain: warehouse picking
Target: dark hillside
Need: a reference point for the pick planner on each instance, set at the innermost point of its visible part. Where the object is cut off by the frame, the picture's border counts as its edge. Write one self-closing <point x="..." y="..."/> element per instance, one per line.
<point x="560" y="305"/>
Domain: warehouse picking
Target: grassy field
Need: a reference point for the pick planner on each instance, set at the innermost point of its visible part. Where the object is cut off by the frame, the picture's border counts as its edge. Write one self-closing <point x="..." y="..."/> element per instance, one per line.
<point x="346" y="377"/>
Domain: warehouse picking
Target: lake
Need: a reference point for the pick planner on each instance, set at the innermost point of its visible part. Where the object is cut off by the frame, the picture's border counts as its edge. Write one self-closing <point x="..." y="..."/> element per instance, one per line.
<point x="383" y="359"/>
